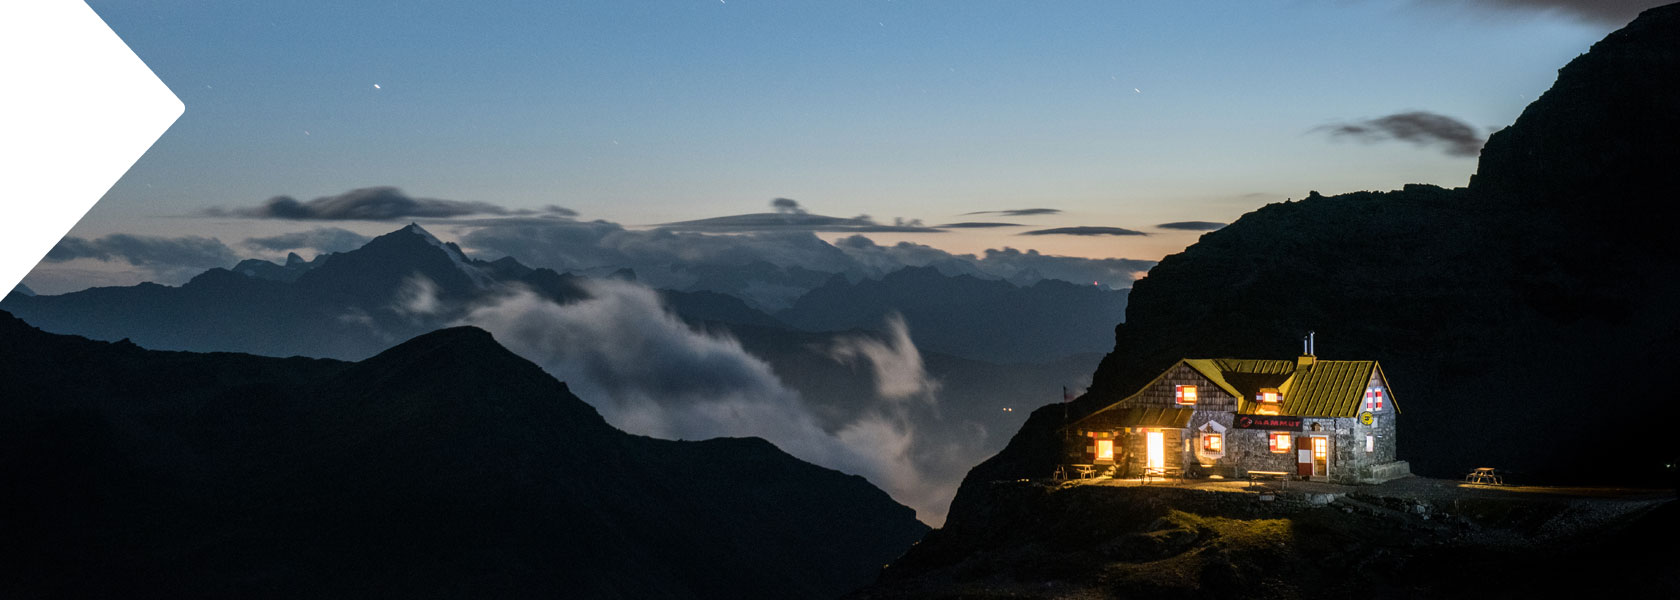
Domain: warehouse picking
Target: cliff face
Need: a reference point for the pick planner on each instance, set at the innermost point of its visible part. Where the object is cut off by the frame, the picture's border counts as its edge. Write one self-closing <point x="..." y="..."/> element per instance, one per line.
<point x="1525" y="322"/>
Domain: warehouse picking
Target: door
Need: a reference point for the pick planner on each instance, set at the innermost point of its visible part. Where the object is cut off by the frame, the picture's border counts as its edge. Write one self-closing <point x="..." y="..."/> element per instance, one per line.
<point x="1321" y="457"/>
<point x="1157" y="442"/>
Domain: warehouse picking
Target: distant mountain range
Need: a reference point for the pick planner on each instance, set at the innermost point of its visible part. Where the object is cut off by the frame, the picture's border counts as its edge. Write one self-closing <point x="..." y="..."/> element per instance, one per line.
<point x="329" y="306"/>
<point x="1526" y="322"/>
<point x="443" y="466"/>
<point x="962" y="315"/>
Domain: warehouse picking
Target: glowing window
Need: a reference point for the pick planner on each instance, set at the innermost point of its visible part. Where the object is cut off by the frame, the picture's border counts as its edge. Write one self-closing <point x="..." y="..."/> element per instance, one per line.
<point x="1278" y="441"/>
<point x="1105" y="449"/>
<point x="1268" y="395"/>
<point x="1185" y="395"/>
<point x="1370" y="443"/>
<point x="1373" y="399"/>
<point x="1320" y="448"/>
<point x="1213" y="442"/>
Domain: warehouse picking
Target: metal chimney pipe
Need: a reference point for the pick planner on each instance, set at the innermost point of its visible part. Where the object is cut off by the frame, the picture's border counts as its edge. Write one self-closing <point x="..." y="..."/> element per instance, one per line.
<point x="1312" y="343"/>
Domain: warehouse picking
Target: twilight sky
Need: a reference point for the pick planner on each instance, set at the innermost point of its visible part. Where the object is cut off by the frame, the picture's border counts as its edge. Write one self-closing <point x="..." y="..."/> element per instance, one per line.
<point x="1124" y="116"/>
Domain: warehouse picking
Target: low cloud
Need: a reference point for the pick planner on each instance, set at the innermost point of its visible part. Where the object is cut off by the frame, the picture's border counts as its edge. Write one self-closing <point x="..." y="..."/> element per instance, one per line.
<point x="367" y="204"/>
<point x="1083" y="231"/>
<point x="650" y="373"/>
<point x="1451" y="136"/>
<point x="1608" y="12"/>
<point x="418" y="297"/>
<point x="1191" y="225"/>
<point x="165" y="257"/>
<point x="1018" y="212"/>
<point x="321" y="239"/>
<point x="894" y="361"/>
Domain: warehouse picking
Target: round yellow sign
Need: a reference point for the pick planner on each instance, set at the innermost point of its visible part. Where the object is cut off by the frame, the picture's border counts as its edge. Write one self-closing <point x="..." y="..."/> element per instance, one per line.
<point x="1365" y="418"/>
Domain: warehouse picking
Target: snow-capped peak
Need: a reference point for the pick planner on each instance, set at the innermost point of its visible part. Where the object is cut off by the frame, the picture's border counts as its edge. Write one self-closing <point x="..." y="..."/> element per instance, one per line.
<point x="453" y="252"/>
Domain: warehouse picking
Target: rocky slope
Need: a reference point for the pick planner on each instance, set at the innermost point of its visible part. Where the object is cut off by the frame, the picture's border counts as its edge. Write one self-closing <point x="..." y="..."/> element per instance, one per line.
<point x="1426" y="540"/>
<point x="444" y="466"/>
<point x="1525" y="322"/>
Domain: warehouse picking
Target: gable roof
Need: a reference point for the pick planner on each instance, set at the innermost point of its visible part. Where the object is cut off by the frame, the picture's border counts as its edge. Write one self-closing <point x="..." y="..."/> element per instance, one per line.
<point x="1325" y="388"/>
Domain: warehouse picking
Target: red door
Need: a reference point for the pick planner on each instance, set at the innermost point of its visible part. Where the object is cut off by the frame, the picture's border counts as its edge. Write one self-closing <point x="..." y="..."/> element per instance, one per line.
<point x="1303" y="457"/>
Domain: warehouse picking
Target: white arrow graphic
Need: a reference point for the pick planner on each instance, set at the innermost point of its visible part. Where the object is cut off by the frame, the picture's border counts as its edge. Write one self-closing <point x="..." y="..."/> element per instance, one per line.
<point x="77" y="108"/>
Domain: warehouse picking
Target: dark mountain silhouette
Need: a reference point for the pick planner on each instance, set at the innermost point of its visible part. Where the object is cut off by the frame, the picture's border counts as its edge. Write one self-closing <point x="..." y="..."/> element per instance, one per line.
<point x="23" y="290"/>
<point x="444" y="466"/>
<point x="961" y="315"/>
<point x="261" y="269"/>
<point x="766" y="286"/>
<point x="1526" y="322"/>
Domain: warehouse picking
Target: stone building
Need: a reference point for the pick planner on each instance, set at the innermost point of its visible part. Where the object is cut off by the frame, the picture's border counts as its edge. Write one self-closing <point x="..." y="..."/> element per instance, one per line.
<point x="1327" y="420"/>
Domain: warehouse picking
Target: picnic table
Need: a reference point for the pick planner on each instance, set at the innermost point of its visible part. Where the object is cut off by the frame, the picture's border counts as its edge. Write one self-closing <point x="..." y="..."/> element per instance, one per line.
<point x="1085" y="471"/>
<point x="1484" y="476"/>
<point x="1162" y="473"/>
<point x="1255" y="476"/>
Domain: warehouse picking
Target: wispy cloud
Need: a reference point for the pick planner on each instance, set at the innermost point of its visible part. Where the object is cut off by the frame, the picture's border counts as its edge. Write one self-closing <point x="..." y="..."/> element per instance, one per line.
<point x="1609" y="12"/>
<point x="894" y="361"/>
<point x="166" y="257"/>
<point x="1452" y="136"/>
<point x="320" y="239"/>
<point x="370" y="204"/>
<point x="1084" y="230"/>
<point x="1018" y="212"/>
<point x="1191" y="225"/>
<point x="790" y="216"/>
<point x="977" y="225"/>
<point x="650" y="373"/>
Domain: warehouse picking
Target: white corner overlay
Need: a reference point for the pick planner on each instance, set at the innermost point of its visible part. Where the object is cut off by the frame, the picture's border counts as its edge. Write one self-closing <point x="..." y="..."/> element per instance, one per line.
<point x="78" y="109"/>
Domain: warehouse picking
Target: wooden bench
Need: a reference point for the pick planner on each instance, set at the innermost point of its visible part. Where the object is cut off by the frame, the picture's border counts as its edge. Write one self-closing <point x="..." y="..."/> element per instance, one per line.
<point x="1254" y="477"/>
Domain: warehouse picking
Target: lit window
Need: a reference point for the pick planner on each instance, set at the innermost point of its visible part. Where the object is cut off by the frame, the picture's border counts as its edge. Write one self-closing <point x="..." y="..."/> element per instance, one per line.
<point x="1279" y="441"/>
<point x="1370" y="443"/>
<point x="1268" y="396"/>
<point x="1105" y="449"/>
<point x="1213" y="442"/>
<point x="1321" y="448"/>
<point x="1185" y="395"/>
<point x="1373" y="399"/>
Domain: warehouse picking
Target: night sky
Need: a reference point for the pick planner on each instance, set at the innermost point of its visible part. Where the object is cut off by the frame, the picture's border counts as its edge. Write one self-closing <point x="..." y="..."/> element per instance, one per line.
<point x="1122" y="116"/>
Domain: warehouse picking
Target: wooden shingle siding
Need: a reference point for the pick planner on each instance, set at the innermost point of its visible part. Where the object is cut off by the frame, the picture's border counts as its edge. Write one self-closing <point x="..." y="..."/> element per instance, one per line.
<point x="1162" y="391"/>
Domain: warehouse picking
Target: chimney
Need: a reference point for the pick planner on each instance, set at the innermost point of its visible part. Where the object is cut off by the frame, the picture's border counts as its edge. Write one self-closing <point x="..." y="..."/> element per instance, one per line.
<point x="1307" y="357"/>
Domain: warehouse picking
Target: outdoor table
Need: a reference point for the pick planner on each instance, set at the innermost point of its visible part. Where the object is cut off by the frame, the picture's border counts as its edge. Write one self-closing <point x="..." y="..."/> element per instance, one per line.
<point x="1282" y="476"/>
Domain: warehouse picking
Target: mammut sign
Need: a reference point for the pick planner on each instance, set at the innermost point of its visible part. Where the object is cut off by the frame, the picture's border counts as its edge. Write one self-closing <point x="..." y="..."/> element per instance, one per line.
<point x="1267" y="422"/>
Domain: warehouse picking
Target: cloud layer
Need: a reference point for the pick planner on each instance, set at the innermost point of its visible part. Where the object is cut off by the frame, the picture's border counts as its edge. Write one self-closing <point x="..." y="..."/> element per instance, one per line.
<point x="320" y="239"/>
<point x="1191" y="225"/>
<point x="1452" y="136"/>
<point x="166" y="257"/>
<point x="1018" y="212"/>
<point x="1608" y="12"/>
<point x="370" y="204"/>
<point x="1085" y="230"/>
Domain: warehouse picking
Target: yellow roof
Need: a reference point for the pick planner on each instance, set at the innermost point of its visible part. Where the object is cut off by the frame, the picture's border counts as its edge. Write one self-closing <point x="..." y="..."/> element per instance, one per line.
<point x="1326" y="388"/>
